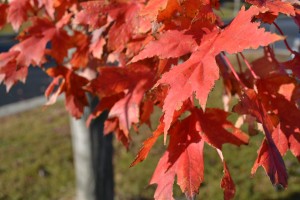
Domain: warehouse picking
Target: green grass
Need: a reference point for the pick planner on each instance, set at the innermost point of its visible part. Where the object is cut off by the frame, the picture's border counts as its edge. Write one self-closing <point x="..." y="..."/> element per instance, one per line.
<point x="6" y="30"/>
<point x="36" y="155"/>
<point x="225" y="12"/>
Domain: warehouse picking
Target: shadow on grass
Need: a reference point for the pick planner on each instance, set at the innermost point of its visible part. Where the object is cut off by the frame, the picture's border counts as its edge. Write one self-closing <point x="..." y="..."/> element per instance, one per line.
<point x="292" y="196"/>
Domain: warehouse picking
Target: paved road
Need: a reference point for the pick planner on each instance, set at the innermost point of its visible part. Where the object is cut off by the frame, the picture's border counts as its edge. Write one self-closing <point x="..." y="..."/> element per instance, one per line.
<point x="35" y="85"/>
<point x="37" y="81"/>
<point x="290" y="29"/>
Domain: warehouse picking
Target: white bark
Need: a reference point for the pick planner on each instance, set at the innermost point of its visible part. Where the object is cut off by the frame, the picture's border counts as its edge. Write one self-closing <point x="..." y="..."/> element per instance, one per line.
<point x="82" y="152"/>
<point x="92" y="157"/>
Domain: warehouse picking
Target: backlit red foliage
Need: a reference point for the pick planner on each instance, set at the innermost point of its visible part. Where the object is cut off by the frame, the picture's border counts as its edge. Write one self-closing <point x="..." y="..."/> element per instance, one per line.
<point x="135" y="55"/>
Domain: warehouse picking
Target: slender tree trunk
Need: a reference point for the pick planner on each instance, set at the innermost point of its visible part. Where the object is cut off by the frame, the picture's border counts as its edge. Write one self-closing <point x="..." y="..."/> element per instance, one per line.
<point x="102" y="154"/>
<point x="93" y="158"/>
<point x="82" y="153"/>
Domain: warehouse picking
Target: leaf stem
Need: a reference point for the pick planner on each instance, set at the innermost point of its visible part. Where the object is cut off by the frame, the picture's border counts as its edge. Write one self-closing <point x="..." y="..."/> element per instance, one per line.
<point x="270" y="52"/>
<point x="239" y="62"/>
<point x="224" y="57"/>
<point x="249" y="66"/>
<point x="285" y="41"/>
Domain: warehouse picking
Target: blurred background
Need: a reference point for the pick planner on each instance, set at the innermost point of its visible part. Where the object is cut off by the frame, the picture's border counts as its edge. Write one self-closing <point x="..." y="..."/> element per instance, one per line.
<point x="36" y="157"/>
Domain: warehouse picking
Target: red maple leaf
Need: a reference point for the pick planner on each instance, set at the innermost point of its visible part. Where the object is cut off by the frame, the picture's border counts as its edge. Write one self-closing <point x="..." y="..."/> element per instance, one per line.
<point x="48" y="5"/>
<point x="272" y="67"/>
<point x="32" y="48"/>
<point x="168" y="46"/>
<point x="153" y="7"/>
<point x="106" y="103"/>
<point x="10" y="72"/>
<point x="268" y="156"/>
<point x="3" y="11"/>
<point x="289" y="116"/>
<point x="148" y="144"/>
<point x="226" y="183"/>
<point x="293" y="65"/>
<point x="72" y="85"/>
<point x="97" y="44"/>
<point x="33" y="43"/>
<point x="80" y="58"/>
<point x="274" y="6"/>
<point x="280" y="140"/>
<point x="127" y="109"/>
<point x="297" y="17"/>
<point x="62" y="5"/>
<point x="191" y="77"/>
<point x="184" y="156"/>
<point x="174" y="44"/>
<point x="92" y="14"/>
<point x="271" y="160"/>
<point x="125" y="27"/>
<point x="277" y="91"/>
<point x="112" y="126"/>
<point x="131" y="82"/>
<point x="219" y="133"/>
<point x="61" y="41"/>
<point x="17" y="13"/>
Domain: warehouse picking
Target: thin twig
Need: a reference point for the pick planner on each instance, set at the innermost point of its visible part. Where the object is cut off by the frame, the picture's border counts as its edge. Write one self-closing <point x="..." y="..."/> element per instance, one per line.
<point x="285" y="41"/>
<point x="249" y="66"/>
<point x="239" y="62"/>
<point x="232" y="69"/>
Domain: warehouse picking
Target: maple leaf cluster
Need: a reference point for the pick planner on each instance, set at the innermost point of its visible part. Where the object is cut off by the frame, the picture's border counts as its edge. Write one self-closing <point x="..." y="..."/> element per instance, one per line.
<point x="135" y="55"/>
